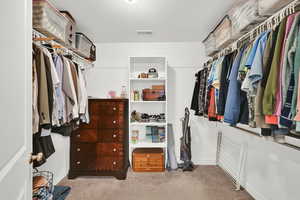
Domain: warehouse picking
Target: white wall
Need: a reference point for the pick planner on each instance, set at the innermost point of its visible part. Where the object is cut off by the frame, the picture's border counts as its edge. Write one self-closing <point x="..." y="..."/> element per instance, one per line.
<point x="110" y="73"/>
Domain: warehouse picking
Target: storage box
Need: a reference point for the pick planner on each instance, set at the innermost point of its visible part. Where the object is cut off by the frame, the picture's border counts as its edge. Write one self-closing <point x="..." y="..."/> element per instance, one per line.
<point x="244" y="16"/>
<point x="148" y="160"/>
<point x="85" y="46"/>
<point x="153" y="95"/>
<point x="223" y="33"/>
<point x="210" y="45"/>
<point x="49" y="21"/>
<point x="269" y="7"/>
<point x="71" y="28"/>
<point x="158" y="87"/>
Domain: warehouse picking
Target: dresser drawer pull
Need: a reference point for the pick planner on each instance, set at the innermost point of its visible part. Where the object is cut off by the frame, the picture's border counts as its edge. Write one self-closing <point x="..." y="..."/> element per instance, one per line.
<point x="114" y="163"/>
<point x="114" y="121"/>
<point x="114" y="150"/>
<point x="78" y="135"/>
<point x="78" y="149"/>
<point x="114" y="108"/>
<point x="78" y="163"/>
<point x="114" y="135"/>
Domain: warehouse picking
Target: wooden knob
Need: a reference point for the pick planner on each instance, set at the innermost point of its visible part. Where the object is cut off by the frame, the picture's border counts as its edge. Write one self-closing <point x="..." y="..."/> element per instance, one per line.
<point x="114" y="121"/>
<point x="78" y="163"/>
<point x="114" y="150"/>
<point x="114" y="135"/>
<point x="114" y="108"/>
<point x="114" y="163"/>
<point x="78" y="135"/>
<point x="78" y="149"/>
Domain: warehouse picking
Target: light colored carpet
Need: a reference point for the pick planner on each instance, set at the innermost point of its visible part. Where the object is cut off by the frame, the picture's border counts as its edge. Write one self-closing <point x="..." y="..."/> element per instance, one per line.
<point x="204" y="183"/>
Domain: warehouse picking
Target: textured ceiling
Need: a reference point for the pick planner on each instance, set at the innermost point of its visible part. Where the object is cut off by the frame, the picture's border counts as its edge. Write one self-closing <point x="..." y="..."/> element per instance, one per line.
<point x="170" y="20"/>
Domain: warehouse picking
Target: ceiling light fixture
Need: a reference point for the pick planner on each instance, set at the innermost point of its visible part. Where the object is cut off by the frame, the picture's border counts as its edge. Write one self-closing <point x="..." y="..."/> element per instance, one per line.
<point x="131" y="1"/>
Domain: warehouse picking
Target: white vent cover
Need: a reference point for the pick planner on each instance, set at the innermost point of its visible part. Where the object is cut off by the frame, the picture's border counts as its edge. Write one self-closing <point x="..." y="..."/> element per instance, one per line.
<point x="231" y="157"/>
<point x="144" y="32"/>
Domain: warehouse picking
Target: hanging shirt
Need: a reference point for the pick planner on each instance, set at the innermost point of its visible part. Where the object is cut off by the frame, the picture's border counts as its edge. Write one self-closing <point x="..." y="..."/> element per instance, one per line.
<point x="35" y="90"/>
<point x="269" y="100"/>
<point x="43" y="92"/>
<point x="251" y="55"/>
<point x="233" y="103"/>
<point x="224" y="82"/>
<point x="83" y="98"/>
<point x="282" y="71"/>
<point x="259" y="117"/>
<point x="256" y="73"/>
<point x="55" y="85"/>
<point x="69" y="90"/>
<point x="59" y="66"/>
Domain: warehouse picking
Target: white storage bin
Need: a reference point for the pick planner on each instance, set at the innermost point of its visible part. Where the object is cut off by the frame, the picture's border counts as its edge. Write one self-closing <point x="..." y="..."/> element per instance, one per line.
<point x="223" y="33"/>
<point x="269" y="7"/>
<point x="71" y="28"/>
<point x="244" y="15"/>
<point x="49" y="21"/>
<point x="210" y="45"/>
<point x="85" y="46"/>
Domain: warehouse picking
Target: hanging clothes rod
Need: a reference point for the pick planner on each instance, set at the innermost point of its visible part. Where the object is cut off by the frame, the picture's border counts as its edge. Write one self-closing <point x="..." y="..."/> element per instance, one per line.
<point x="38" y="37"/>
<point x="269" y="24"/>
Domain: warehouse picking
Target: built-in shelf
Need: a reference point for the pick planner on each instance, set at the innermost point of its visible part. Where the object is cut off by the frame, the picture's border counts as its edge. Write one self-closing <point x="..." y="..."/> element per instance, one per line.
<point x="148" y="123"/>
<point x="149" y="145"/>
<point x="137" y="66"/>
<point x="147" y="79"/>
<point x="147" y="101"/>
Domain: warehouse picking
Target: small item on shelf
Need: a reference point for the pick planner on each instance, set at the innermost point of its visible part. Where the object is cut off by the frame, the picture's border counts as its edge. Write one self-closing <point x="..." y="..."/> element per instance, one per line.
<point x="162" y="134"/>
<point x="155" y="134"/>
<point x="135" y="136"/>
<point x="123" y="92"/>
<point x="112" y="94"/>
<point x="152" y="73"/>
<point x="135" y="116"/>
<point x="149" y="133"/>
<point x="136" y="95"/>
<point x="143" y="75"/>
<point x="132" y="95"/>
<point x="148" y="160"/>
<point x="153" y="95"/>
<point x="158" y="87"/>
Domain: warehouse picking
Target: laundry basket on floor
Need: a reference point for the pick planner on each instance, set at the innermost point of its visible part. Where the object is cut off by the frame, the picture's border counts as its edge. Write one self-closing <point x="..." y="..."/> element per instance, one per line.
<point x="42" y="185"/>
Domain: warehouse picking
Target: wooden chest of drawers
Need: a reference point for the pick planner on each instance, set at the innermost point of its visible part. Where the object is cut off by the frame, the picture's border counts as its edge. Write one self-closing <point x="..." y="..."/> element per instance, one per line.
<point x="100" y="148"/>
<point x="148" y="160"/>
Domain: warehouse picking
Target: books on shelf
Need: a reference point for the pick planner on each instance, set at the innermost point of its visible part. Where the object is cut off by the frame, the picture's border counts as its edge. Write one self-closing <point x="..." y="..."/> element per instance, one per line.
<point x="156" y="134"/>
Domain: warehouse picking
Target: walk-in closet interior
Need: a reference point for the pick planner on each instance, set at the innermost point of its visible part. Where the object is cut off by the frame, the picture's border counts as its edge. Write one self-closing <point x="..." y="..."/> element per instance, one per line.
<point x="150" y="99"/>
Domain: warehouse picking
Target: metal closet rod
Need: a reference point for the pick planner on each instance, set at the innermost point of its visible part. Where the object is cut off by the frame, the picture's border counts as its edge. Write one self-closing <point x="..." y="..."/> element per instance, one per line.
<point x="40" y="37"/>
<point x="270" y="23"/>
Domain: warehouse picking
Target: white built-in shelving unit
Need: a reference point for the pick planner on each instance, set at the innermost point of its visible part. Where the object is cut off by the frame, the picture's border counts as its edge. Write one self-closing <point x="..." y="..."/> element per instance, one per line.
<point x="141" y="65"/>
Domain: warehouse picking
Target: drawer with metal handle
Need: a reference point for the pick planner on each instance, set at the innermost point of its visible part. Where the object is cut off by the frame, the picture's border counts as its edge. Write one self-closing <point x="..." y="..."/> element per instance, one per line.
<point x="112" y="108"/>
<point x="110" y="164"/>
<point x="110" y="149"/>
<point x="85" y="135"/>
<point x="112" y="122"/>
<point x="111" y="135"/>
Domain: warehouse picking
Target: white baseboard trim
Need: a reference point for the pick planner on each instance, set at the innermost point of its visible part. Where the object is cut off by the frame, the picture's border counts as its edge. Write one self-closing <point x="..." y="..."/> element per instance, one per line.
<point x="254" y="193"/>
